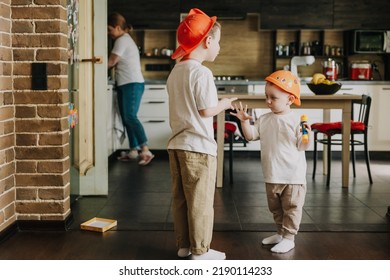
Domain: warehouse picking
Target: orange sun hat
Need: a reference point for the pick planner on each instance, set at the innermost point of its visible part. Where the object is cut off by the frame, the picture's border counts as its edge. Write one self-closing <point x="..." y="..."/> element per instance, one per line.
<point x="191" y="31"/>
<point x="288" y="82"/>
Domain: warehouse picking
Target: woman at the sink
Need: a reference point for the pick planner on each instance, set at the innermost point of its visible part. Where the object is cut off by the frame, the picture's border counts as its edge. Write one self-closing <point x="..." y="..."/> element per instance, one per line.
<point x="282" y="156"/>
<point x="130" y="84"/>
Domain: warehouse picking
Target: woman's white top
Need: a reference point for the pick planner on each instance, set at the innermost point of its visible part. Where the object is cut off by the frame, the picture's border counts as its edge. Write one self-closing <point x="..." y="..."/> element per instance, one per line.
<point x="128" y="69"/>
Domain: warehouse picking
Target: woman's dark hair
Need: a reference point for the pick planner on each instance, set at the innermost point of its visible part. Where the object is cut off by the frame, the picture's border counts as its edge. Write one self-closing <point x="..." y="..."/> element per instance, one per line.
<point x="116" y="19"/>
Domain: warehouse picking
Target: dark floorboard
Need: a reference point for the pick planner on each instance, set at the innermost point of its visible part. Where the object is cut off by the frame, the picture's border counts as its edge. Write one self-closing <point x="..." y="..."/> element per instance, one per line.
<point x="338" y="223"/>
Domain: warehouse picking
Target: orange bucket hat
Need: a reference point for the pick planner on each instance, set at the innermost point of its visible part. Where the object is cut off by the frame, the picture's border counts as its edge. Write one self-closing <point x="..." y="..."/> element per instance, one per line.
<point x="288" y="82"/>
<point x="191" y="31"/>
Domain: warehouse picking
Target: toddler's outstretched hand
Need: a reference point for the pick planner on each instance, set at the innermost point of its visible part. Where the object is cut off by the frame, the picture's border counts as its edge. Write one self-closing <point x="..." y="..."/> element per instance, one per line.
<point x="241" y="112"/>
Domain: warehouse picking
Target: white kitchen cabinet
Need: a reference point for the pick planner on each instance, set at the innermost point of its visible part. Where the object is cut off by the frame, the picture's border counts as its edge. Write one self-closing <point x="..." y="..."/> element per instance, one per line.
<point x="154" y="116"/>
<point x="379" y="132"/>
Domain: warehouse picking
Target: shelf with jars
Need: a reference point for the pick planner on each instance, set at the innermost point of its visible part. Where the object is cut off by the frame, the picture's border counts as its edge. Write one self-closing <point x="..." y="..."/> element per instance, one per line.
<point x="156" y="48"/>
<point x="322" y="44"/>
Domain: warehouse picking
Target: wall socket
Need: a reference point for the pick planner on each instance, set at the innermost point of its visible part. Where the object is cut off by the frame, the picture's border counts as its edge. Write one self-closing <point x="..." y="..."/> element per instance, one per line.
<point x="39" y="76"/>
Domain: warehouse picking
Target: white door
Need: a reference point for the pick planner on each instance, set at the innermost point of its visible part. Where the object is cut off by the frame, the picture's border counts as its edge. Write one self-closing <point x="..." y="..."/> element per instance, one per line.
<point x="89" y="157"/>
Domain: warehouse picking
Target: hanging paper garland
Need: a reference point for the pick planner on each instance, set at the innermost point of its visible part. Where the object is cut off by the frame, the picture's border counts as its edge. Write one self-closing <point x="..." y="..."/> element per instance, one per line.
<point x="73" y="116"/>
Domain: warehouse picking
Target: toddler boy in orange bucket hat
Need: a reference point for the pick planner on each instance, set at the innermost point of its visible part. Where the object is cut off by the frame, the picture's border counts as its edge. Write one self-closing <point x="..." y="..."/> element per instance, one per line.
<point x="193" y="102"/>
<point x="282" y="156"/>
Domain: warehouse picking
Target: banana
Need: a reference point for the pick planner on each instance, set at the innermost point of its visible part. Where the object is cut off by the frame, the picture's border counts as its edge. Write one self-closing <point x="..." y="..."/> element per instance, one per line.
<point x="318" y="78"/>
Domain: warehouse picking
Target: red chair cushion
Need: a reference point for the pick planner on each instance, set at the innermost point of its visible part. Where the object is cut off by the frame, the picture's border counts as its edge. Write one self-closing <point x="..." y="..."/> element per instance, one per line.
<point x="336" y="127"/>
<point x="229" y="128"/>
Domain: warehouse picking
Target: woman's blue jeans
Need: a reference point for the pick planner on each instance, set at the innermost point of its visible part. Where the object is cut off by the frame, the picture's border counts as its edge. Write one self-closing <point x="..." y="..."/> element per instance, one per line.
<point x="129" y="100"/>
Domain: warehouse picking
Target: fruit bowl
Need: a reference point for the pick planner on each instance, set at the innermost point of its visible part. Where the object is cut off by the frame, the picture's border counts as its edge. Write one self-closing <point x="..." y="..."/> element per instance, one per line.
<point x="324" y="89"/>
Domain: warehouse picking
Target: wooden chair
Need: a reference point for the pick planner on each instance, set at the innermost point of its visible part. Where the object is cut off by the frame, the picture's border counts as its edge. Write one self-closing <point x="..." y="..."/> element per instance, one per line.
<point x="359" y="126"/>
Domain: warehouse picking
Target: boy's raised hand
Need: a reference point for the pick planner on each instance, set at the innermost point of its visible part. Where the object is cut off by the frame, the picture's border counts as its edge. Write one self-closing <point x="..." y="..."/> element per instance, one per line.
<point x="241" y="112"/>
<point x="227" y="103"/>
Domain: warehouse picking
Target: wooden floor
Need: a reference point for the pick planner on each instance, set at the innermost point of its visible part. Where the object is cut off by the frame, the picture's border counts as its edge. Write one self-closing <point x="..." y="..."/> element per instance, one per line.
<point x="160" y="245"/>
<point x="338" y="223"/>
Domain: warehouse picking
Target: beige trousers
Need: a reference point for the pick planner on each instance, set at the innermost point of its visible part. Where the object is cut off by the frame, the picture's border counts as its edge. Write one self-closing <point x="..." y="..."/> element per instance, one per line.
<point x="286" y="204"/>
<point x="193" y="186"/>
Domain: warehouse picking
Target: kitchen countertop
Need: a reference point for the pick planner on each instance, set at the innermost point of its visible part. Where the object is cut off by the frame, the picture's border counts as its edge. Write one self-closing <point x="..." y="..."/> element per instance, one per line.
<point x="262" y="82"/>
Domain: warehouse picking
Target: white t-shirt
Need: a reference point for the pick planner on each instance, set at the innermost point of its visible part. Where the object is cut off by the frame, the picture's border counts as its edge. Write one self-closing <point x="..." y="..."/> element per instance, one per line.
<point x="128" y="69"/>
<point x="191" y="88"/>
<point x="282" y="151"/>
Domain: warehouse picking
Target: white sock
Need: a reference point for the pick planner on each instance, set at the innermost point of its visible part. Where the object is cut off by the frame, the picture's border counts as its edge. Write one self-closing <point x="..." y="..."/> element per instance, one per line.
<point x="283" y="246"/>
<point x="274" y="239"/>
<point x="184" y="252"/>
<point x="210" y="255"/>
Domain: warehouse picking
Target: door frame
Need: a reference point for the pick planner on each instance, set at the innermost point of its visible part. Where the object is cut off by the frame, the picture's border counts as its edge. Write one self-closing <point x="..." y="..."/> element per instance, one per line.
<point x="90" y="164"/>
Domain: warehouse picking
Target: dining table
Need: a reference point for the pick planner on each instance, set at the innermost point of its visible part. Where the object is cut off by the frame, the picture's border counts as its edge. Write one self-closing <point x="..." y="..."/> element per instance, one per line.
<point x="308" y="101"/>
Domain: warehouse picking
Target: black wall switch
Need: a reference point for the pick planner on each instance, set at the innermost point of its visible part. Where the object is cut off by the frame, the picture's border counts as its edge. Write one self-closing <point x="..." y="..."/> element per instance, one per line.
<point x="39" y="76"/>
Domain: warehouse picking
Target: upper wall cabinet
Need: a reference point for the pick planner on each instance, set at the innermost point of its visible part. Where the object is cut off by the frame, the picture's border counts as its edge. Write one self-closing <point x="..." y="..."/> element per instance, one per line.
<point x="223" y="9"/>
<point x="361" y="14"/>
<point x="148" y="14"/>
<point x="299" y="14"/>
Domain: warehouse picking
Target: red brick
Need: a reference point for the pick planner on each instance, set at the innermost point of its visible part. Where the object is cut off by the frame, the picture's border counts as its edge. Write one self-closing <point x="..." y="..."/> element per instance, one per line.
<point x="23" y="55"/>
<point x="53" y="166"/>
<point x="52" y="193"/>
<point x="7" y="141"/>
<point x="21" y="2"/>
<point x="5" y="25"/>
<point x="5" y="83"/>
<point x="26" y="167"/>
<point x="8" y="98"/>
<point x="54" y="139"/>
<point x="25" y="111"/>
<point x="5" y="12"/>
<point x="37" y="12"/>
<point x="23" y="69"/>
<point x="53" y="111"/>
<point x="7" y="198"/>
<point x="9" y="211"/>
<point x="57" y="69"/>
<point x="39" y="41"/>
<point x="6" y="68"/>
<point x="51" y="2"/>
<point x="51" y="55"/>
<point x="6" y="184"/>
<point x="40" y="125"/>
<point x="8" y="126"/>
<point x="6" y="113"/>
<point x="40" y="207"/>
<point x="7" y="170"/>
<point x="41" y="97"/>
<point x="32" y="180"/>
<point x="51" y="27"/>
<point x="9" y="154"/>
<point x="26" y="139"/>
<point x="41" y="152"/>
<point x="22" y="27"/>
<point x="26" y="194"/>
<point x="5" y="54"/>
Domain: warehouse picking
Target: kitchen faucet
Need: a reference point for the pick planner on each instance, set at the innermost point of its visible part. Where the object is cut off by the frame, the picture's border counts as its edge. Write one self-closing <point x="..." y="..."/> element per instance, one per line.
<point x="300" y="61"/>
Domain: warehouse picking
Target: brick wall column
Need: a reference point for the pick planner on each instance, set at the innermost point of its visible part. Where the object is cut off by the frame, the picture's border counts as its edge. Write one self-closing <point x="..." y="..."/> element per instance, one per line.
<point x="7" y="110"/>
<point x="42" y="180"/>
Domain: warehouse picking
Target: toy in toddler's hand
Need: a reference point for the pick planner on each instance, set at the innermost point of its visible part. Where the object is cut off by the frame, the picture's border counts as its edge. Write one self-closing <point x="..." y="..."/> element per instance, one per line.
<point x="305" y="134"/>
